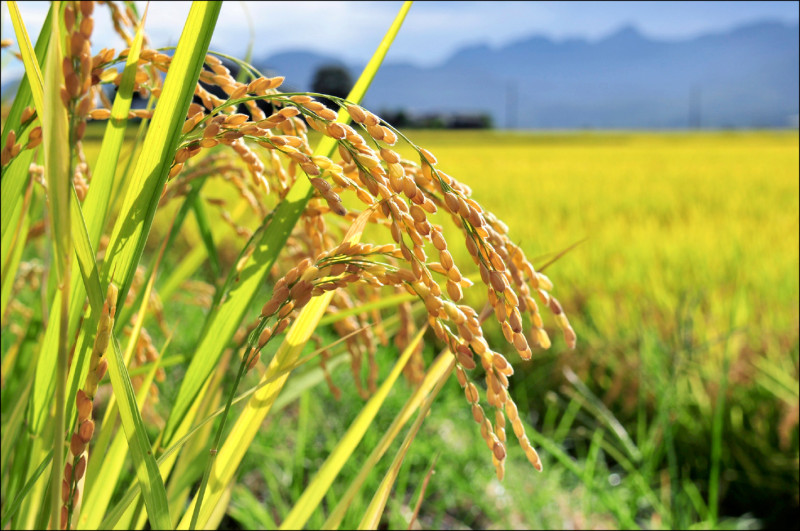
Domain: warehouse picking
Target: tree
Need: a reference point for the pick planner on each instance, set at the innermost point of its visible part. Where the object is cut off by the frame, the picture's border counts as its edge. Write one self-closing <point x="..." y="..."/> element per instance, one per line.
<point x="332" y="79"/>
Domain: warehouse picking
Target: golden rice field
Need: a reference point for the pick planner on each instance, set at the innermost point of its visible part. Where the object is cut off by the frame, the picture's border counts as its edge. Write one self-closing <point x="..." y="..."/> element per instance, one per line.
<point x="687" y="263"/>
<point x="685" y="282"/>
<point x="706" y="219"/>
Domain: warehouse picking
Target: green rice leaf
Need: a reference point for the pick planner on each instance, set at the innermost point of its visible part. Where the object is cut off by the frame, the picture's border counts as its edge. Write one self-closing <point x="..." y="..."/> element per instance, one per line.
<point x="136" y="217"/>
<point x="150" y="482"/>
<point x="55" y="129"/>
<point x="222" y="323"/>
<point x="98" y="199"/>
<point x="87" y="234"/>
<point x="95" y="207"/>
<point x="150" y="173"/>
<point x="98" y="494"/>
<point x="57" y="165"/>
<point x="13" y="244"/>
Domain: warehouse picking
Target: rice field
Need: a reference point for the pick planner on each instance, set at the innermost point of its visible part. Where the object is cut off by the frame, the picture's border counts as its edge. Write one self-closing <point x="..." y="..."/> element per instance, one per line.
<point x="683" y="282"/>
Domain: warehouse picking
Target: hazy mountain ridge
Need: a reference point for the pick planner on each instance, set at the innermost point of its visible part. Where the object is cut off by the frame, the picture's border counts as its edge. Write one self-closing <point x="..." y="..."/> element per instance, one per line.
<point x="746" y="77"/>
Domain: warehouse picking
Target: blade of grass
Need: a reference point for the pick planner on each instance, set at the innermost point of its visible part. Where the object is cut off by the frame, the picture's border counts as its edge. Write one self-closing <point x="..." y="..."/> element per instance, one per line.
<point x="622" y="513"/>
<point x="223" y="322"/>
<point x="590" y="464"/>
<point x="205" y="234"/>
<point x="16" y="470"/>
<point x="634" y="474"/>
<point x="14" y="506"/>
<point x="433" y="375"/>
<point x="601" y="412"/>
<point x="372" y="516"/>
<point x="139" y="205"/>
<point x="249" y="511"/>
<point x="316" y="490"/>
<point x="717" y="428"/>
<point x="11" y="428"/>
<point x="422" y="490"/>
<point x="300" y="449"/>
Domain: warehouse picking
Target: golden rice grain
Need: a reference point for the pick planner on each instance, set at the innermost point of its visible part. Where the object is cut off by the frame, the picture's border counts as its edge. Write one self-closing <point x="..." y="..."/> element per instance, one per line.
<point x="357" y="113"/>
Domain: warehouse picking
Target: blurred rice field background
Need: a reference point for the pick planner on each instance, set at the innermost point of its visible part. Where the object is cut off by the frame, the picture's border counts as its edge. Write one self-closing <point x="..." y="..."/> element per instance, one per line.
<point x="685" y="284"/>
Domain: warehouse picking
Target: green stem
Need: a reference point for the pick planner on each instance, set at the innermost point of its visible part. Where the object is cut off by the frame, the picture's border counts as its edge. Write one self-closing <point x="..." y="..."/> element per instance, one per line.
<point x="218" y="438"/>
<point x="61" y="390"/>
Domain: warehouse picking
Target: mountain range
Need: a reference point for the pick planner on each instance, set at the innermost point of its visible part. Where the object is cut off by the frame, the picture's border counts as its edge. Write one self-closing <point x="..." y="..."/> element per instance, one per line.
<point x="745" y="77"/>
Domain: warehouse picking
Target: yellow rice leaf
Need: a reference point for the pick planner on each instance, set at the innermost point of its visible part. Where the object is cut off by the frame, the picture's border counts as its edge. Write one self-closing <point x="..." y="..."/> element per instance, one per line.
<point x="435" y="373"/>
<point x="372" y="516"/>
<point x="32" y="70"/>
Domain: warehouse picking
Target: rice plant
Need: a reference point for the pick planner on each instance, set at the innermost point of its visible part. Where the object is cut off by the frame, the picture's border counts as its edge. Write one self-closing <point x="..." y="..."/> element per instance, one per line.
<point x="307" y="188"/>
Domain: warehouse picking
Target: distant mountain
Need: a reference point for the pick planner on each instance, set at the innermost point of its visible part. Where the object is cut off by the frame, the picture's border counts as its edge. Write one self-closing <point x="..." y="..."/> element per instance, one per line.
<point x="747" y="77"/>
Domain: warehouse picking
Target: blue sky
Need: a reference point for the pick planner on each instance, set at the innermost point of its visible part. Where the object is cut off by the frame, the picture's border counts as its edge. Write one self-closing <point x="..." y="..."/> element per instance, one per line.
<point x="433" y="30"/>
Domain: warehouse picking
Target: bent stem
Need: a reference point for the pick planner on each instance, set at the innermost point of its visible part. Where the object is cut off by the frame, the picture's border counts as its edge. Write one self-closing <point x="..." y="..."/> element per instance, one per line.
<point x="212" y="453"/>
